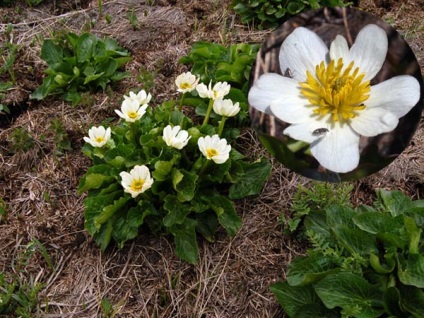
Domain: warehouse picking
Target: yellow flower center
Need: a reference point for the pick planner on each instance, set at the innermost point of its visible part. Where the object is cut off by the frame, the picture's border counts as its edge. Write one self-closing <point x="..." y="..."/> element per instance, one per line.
<point x="99" y="139"/>
<point x="211" y="152"/>
<point x="132" y="115"/>
<point x="335" y="91"/>
<point x="185" y="85"/>
<point x="137" y="185"/>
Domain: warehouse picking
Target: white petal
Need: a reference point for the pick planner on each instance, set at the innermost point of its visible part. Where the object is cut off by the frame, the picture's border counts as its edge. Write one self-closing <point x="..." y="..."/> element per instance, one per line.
<point x="339" y="48"/>
<point x="397" y="95"/>
<point x="374" y="121"/>
<point x="120" y="114"/>
<point x="282" y="96"/>
<point x="338" y="151"/>
<point x="369" y="50"/>
<point x="305" y="131"/>
<point x="302" y="51"/>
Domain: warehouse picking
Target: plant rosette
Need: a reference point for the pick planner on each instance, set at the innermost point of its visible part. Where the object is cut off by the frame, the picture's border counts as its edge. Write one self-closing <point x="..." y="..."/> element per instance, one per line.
<point x="328" y="99"/>
<point x="159" y="170"/>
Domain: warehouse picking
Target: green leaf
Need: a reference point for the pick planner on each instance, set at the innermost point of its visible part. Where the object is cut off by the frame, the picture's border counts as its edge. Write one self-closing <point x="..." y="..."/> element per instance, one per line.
<point x="310" y="269"/>
<point x="412" y="299"/>
<point x="414" y="234"/>
<point x="108" y="211"/>
<point x="294" y="299"/>
<point x="225" y="211"/>
<point x="207" y="225"/>
<point x="126" y="227"/>
<point x="251" y="183"/>
<point x="185" y="240"/>
<point x="395" y="202"/>
<point x="85" y="48"/>
<point x="411" y="271"/>
<point x="104" y="235"/>
<point x="93" y="181"/>
<point x="51" y="53"/>
<point x="184" y="183"/>
<point x="375" y="222"/>
<point x="349" y="292"/>
<point x="392" y="302"/>
<point x="177" y="212"/>
<point x="163" y="169"/>
<point x="380" y="268"/>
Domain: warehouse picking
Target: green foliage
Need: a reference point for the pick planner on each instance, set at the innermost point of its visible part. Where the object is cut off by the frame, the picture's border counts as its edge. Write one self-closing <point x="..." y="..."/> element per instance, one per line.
<point x="21" y="140"/>
<point x="364" y="262"/>
<point x="19" y="294"/>
<point x="214" y="62"/>
<point x="271" y="14"/>
<point x="61" y="139"/>
<point x="3" y="89"/>
<point x="3" y="208"/>
<point x="320" y="196"/>
<point x="33" y="3"/>
<point x="80" y="63"/>
<point x="190" y="195"/>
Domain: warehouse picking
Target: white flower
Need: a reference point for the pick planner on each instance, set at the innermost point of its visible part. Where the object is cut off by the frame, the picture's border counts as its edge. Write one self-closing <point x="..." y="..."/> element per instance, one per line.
<point x="175" y="137"/>
<point x="218" y="91"/>
<point x="225" y="107"/>
<point x="137" y="180"/>
<point x="141" y="97"/>
<point x="99" y="136"/>
<point x="131" y="110"/>
<point x="186" y="82"/>
<point x="329" y="102"/>
<point x="214" y="148"/>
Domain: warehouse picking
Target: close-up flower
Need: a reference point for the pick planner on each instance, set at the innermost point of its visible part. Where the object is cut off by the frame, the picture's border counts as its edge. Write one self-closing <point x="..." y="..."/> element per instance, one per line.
<point x="131" y="110"/>
<point x="98" y="136"/>
<point x="218" y="91"/>
<point x="214" y="148"/>
<point x="225" y="107"/>
<point x="141" y="97"/>
<point x="328" y="98"/>
<point x="186" y="82"/>
<point x="175" y="137"/>
<point x="137" y="180"/>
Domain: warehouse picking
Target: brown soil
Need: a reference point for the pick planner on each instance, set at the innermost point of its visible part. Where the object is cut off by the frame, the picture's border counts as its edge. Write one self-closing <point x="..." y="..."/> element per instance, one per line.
<point x="145" y="279"/>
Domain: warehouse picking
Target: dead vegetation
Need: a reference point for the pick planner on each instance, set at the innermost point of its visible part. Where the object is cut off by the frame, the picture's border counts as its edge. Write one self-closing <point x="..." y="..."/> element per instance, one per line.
<point x="145" y="279"/>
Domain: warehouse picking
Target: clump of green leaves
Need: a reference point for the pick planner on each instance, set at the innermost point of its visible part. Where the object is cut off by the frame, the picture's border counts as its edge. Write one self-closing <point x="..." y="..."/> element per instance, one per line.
<point x="217" y="63"/>
<point x="21" y="140"/>
<point x="80" y="63"/>
<point x="190" y="195"/>
<point x="61" y="138"/>
<point x="320" y="196"/>
<point x="19" y="294"/>
<point x="364" y="262"/>
<point x="270" y="14"/>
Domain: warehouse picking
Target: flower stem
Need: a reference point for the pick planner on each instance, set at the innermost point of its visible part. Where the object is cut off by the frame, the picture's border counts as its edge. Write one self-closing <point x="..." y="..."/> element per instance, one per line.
<point x="221" y="125"/>
<point x="204" y="167"/>
<point x="180" y="107"/>
<point x="133" y="131"/>
<point x="208" y="112"/>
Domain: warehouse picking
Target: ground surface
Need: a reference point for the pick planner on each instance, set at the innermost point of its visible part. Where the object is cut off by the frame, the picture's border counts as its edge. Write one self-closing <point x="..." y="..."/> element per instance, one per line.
<point x="145" y="279"/>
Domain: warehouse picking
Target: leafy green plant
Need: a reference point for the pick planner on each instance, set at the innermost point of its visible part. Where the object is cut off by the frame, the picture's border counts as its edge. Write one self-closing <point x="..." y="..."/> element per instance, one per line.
<point x="217" y="63"/>
<point x="19" y="294"/>
<point x="61" y="139"/>
<point x="80" y="63"/>
<point x="21" y="140"/>
<point x="320" y="196"/>
<point x="364" y="262"/>
<point x="270" y="14"/>
<point x="190" y="194"/>
<point x="33" y="3"/>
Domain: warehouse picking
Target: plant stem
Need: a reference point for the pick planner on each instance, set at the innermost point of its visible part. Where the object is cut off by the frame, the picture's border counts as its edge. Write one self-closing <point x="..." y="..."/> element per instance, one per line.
<point x="221" y="125"/>
<point x="204" y="167"/>
<point x="208" y="112"/>
<point x="100" y="8"/>
<point x="181" y="102"/>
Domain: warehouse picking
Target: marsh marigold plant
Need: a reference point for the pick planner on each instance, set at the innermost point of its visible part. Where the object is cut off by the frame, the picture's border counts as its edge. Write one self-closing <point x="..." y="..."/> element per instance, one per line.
<point x="162" y="171"/>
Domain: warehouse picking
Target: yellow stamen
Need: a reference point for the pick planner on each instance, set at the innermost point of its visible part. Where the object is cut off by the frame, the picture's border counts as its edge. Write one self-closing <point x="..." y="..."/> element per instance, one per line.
<point x="132" y="115"/>
<point x="137" y="184"/>
<point x="99" y="139"/>
<point x="211" y="152"/>
<point x="185" y="85"/>
<point x="335" y="91"/>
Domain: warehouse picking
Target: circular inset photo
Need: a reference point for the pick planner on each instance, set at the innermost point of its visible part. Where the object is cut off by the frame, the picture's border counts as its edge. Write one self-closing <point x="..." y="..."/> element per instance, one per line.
<point x="336" y="94"/>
